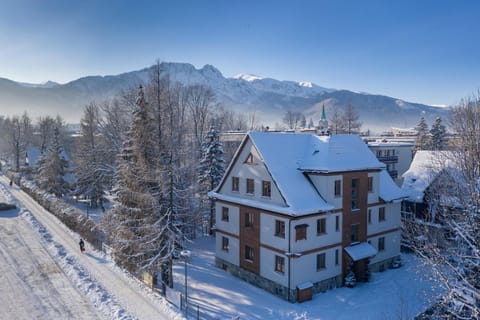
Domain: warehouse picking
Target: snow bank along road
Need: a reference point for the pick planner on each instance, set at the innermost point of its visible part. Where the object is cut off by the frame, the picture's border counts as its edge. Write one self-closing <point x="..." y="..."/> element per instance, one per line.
<point x="114" y="294"/>
<point x="32" y="286"/>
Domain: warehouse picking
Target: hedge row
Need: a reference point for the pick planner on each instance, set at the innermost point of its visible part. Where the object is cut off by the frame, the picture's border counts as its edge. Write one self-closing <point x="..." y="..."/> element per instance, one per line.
<point x="74" y="218"/>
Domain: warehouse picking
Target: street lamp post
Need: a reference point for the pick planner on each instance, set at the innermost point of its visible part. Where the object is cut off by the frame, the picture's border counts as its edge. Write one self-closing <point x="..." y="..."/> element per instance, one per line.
<point x="185" y="254"/>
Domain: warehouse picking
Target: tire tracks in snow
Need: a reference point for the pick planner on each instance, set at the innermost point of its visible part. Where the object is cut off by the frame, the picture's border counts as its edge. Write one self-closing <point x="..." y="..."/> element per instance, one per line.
<point x="110" y="290"/>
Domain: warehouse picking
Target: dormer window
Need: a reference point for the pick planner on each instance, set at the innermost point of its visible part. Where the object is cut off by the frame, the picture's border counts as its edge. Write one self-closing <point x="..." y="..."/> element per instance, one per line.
<point x="249" y="159"/>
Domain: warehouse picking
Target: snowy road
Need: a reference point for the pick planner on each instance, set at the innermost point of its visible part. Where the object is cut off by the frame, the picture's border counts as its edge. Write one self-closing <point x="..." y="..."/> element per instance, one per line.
<point x="32" y="286"/>
<point x="110" y="290"/>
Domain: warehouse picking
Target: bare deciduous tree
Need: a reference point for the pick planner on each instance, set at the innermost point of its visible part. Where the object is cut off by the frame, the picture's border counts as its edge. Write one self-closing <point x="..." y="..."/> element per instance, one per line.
<point x="452" y="245"/>
<point x="293" y="119"/>
<point x="337" y="121"/>
<point x="351" y="120"/>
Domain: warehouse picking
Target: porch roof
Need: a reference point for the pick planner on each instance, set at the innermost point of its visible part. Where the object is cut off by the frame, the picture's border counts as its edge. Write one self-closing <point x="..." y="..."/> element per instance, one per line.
<point x="361" y="251"/>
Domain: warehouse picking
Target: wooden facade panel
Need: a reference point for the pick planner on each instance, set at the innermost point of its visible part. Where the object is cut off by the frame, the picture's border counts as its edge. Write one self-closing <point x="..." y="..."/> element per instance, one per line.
<point x="356" y="216"/>
<point x="250" y="237"/>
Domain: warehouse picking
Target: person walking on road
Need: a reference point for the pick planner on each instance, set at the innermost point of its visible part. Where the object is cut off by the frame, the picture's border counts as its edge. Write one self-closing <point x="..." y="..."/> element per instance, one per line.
<point x="82" y="245"/>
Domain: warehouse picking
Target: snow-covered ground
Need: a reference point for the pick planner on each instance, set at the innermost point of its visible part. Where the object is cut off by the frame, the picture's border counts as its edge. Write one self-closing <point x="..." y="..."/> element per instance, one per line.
<point x="32" y="285"/>
<point x="44" y="276"/>
<point x="394" y="294"/>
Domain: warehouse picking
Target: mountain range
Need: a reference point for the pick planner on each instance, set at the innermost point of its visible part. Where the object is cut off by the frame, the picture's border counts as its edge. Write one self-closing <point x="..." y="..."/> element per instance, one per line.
<point x="245" y="93"/>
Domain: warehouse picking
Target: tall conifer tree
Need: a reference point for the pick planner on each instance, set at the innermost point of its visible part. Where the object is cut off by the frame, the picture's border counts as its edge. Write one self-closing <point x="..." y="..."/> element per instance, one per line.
<point x="138" y="224"/>
<point x="212" y="166"/>
<point x="423" y="137"/>
<point x="52" y="167"/>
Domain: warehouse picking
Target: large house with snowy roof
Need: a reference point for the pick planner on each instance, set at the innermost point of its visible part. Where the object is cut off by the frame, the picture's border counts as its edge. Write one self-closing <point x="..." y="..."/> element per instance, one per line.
<point x="297" y="211"/>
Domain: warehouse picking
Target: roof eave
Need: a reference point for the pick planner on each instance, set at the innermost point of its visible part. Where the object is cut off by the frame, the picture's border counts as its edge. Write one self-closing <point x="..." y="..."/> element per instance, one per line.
<point x="268" y="207"/>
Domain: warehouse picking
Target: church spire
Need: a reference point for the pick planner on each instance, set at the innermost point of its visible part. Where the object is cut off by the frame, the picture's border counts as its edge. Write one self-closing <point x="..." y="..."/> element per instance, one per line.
<point x="322" y="128"/>
<point x="324" y="116"/>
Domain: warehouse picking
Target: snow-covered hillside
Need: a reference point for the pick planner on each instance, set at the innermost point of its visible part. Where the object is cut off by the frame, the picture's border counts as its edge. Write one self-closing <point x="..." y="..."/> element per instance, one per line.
<point x="268" y="98"/>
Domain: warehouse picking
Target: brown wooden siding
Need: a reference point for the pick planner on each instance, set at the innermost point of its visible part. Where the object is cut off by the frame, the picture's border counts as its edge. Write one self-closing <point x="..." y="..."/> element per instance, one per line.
<point x="250" y="236"/>
<point x="358" y="216"/>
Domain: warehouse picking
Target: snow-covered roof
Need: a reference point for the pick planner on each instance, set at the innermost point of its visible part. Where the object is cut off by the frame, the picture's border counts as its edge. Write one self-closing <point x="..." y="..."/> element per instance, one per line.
<point x="289" y="157"/>
<point x="282" y="154"/>
<point x="337" y="153"/>
<point x="425" y="167"/>
<point x="390" y="144"/>
<point x="388" y="190"/>
<point x="33" y="155"/>
<point x="361" y="251"/>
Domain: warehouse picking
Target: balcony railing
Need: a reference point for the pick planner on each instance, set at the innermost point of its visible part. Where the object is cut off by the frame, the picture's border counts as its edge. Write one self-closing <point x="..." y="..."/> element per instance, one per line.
<point x="388" y="159"/>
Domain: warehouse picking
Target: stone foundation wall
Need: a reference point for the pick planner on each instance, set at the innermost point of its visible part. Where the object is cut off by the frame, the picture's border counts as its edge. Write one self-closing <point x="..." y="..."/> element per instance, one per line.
<point x="327" y="284"/>
<point x="273" y="287"/>
<point x="282" y="291"/>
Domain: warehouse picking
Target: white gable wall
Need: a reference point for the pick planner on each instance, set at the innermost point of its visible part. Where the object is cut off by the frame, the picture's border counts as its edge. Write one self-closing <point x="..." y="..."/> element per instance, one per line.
<point x="306" y="267"/>
<point x="267" y="266"/>
<point x="231" y="227"/>
<point x="325" y="185"/>
<point x="256" y="171"/>
<point x="314" y="240"/>
<point x="233" y="224"/>
<point x="373" y="196"/>
<point x="233" y="253"/>
<point x="392" y="218"/>
<point x="267" y="232"/>
<point x="392" y="246"/>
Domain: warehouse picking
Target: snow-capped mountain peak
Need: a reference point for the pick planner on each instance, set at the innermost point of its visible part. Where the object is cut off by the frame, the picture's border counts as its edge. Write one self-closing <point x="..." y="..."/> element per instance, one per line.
<point x="247" y="77"/>
<point x="270" y="98"/>
<point x="307" y="84"/>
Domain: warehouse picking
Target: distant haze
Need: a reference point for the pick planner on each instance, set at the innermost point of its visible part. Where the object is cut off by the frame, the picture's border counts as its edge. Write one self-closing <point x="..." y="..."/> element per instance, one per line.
<point x="268" y="98"/>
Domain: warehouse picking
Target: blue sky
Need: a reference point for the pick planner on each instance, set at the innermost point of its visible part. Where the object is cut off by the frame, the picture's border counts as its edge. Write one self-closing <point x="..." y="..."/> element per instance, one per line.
<point x="420" y="51"/>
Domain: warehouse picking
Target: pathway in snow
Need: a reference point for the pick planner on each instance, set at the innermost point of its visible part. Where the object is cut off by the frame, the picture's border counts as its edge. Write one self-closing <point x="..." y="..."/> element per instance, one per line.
<point x="109" y="289"/>
<point x="32" y="286"/>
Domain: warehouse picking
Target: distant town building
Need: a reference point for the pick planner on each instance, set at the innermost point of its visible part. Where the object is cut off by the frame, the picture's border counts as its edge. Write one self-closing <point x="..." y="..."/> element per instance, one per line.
<point x="404" y="132"/>
<point x="396" y="156"/>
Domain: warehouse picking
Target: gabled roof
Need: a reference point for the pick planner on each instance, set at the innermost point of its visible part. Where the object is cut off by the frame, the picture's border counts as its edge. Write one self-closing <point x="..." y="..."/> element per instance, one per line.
<point x="338" y="153"/>
<point x="425" y="167"/>
<point x="282" y="154"/>
<point x="288" y="158"/>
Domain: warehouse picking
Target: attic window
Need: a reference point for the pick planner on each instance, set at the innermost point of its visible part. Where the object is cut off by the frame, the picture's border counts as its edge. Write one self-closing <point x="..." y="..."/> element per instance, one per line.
<point x="249" y="159"/>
